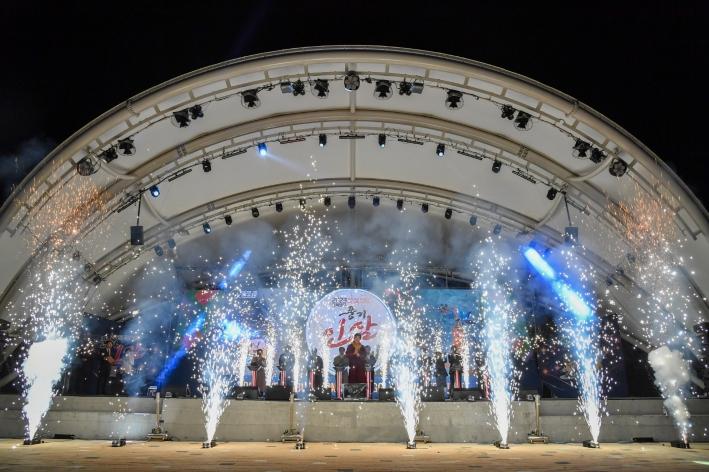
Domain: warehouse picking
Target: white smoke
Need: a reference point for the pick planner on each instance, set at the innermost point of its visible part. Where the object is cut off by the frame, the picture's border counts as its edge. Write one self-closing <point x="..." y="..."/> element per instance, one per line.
<point x="671" y="377"/>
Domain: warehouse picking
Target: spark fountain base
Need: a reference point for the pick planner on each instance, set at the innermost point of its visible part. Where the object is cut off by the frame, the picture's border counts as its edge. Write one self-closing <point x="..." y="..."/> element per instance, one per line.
<point x="120" y="442"/>
<point x="680" y="444"/>
<point x="209" y="444"/>
<point x="591" y="444"/>
<point x="410" y="444"/>
<point x="291" y="435"/>
<point x="30" y="442"/>
<point x="501" y="445"/>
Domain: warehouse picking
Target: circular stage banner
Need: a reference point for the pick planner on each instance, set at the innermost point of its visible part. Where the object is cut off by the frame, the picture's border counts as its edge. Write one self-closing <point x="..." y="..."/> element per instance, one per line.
<point x="339" y="315"/>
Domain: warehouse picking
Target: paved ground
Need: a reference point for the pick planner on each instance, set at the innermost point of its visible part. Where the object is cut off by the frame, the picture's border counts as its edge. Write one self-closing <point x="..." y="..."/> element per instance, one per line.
<point x="139" y="456"/>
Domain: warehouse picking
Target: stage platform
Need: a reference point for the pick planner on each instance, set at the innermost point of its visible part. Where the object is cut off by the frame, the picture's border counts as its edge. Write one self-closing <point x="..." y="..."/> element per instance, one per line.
<point x="347" y="421"/>
<point x="98" y="455"/>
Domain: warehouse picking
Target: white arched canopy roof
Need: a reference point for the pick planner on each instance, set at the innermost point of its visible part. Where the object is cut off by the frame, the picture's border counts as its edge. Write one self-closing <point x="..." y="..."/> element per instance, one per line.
<point x="534" y="159"/>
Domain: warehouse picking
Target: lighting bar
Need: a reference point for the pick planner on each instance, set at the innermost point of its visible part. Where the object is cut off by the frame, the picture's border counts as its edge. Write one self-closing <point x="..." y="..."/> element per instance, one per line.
<point x="351" y="136"/>
<point x="294" y="139"/>
<point x="470" y="154"/>
<point x="235" y="152"/>
<point x="410" y="141"/>
<point x="179" y="173"/>
<point x="520" y="173"/>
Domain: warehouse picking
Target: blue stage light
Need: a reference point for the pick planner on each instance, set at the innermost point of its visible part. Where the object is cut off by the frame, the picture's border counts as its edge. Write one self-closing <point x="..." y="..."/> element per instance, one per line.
<point x="539" y="264"/>
<point x="155" y="191"/>
<point x="174" y="360"/>
<point x="239" y="265"/>
<point x="262" y="149"/>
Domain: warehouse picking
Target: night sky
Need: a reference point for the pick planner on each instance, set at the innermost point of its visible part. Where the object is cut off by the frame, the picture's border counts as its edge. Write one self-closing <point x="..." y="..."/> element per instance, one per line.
<point x="643" y="66"/>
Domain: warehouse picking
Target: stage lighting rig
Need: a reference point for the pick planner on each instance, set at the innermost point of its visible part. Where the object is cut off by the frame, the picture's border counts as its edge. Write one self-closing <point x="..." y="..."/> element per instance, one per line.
<point x="382" y="140"/>
<point x="206" y="165"/>
<point x="109" y="155"/>
<point x="322" y="140"/>
<point x="228" y="220"/>
<point x="407" y="88"/>
<point x="196" y="112"/>
<point x="618" y="167"/>
<point x="523" y="121"/>
<point x="351" y="201"/>
<point x="551" y="193"/>
<point x="448" y="213"/>
<point x="154" y="191"/>
<point x="86" y="166"/>
<point x="496" y="166"/>
<point x="126" y="146"/>
<point x="382" y="90"/>
<point x="262" y="149"/>
<point x="279" y="207"/>
<point x="424" y="208"/>
<point x="597" y="156"/>
<point x="441" y="150"/>
<point x="320" y="88"/>
<point x="181" y="118"/>
<point x="249" y="99"/>
<point x="400" y="204"/>
<point x="206" y="228"/>
<point x="375" y="201"/>
<point x="581" y="148"/>
<point x="508" y="111"/>
<point x="254" y="212"/>
<point x="351" y="81"/>
<point x="327" y="201"/>
<point x="454" y="100"/>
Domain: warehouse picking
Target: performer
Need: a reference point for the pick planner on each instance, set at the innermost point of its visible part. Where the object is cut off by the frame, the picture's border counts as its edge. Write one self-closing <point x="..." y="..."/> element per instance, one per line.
<point x="316" y="367"/>
<point x="341" y="362"/>
<point x="286" y="364"/>
<point x="441" y="372"/>
<point x="258" y="370"/>
<point x="356" y="355"/>
<point x="456" y="367"/>
<point x="369" y="364"/>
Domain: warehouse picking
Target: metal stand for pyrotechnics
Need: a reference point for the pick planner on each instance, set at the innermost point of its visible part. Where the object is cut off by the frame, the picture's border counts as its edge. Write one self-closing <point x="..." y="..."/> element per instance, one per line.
<point x="157" y="433"/>
<point x="536" y="436"/>
<point x="292" y="434"/>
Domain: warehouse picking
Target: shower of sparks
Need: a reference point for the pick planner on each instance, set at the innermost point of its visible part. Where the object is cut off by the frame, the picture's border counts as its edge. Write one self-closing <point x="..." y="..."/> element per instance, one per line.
<point x="270" y="352"/>
<point x="671" y="377"/>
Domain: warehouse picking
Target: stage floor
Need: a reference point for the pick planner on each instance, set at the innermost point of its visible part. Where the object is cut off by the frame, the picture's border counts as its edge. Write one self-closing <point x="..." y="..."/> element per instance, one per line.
<point x="138" y="455"/>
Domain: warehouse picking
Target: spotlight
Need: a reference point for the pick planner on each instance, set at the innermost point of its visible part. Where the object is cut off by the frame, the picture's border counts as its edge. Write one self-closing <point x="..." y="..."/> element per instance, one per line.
<point x="351" y="201"/>
<point x="322" y="140"/>
<point x="228" y="220"/>
<point x="86" y="166"/>
<point x="618" y="167"/>
<point x="154" y="191"/>
<point x="523" y="121"/>
<point x="496" y="166"/>
<point x="321" y="88"/>
<point x="126" y="146"/>
<point x="302" y="202"/>
<point x="249" y="99"/>
<point x="581" y="148"/>
<point x="597" y="155"/>
<point x="158" y="250"/>
<point x="181" y="118"/>
<point x="375" y="201"/>
<point x="400" y="204"/>
<point x="410" y="444"/>
<point x="254" y="212"/>
<point x="473" y="220"/>
<point x="109" y="155"/>
<point x="382" y="140"/>
<point x="206" y="166"/>
<point x="508" y="112"/>
<point x="296" y="88"/>
<point x="407" y="88"/>
<point x="497" y="229"/>
<point x="171" y="243"/>
<point x="207" y="229"/>
<point x="424" y="207"/>
<point x="454" y="100"/>
<point x="327" y="201"/>
<point x="551" y="193"/>
<point x="351" y="81"/>
<point x="448" y="213"/>
<point x="262" y="149"/>
<point x="440" y="149"/>
<point x="382" y="90"/>
<point x="279" y="207"/>
<point x="196" y="112"/>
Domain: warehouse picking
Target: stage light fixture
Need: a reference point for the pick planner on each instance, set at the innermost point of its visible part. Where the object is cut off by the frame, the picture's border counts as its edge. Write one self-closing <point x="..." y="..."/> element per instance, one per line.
<point x="126" y="146"/>
<point x="109" y="155"/>
<point x="382" y="90"/>
<point x="400" y="204"/>
<point x="287" y="87"/>
<point x="441" y="150"/>
<point x="262" y="149"/>
<point x="375" y="201"/>
<point x="249" y="99"/>
<point x="296" y="88"/>
<point x="497" y="229"/>
<point x="158" y="250"/>
<point x="448" y="213"/>
<point x="597" y="156"/>
<point x="382" y="139"/>
<point x="581" y="148"/>
<point x="523" y="121"/>
<point x="351" y="81"/>
<point x="155" y="191"/>
<point x="321" y="88"/>
<point x="196" y="112"/>
<point x="279" y="207"/>
<point x="206" y="228"/>
<point x="86" y="166"/>
<point x="473" y="220"/>
<point x="327" y="201"/>
<point x="424" y="207"/>
<point x="322" y="140"/>
<point x="171" y="243"/>
<point x="618" y="167"/>
<point x="302" y="203"/>
<point x="454" y="100"/>
<point x="551" y="193"/>
<point x="508" y="111"/>
<point x="206" y="165"/>
<point x="254" y="212"/>
<point x="181" y="118"/>
<point x="407" y="88"/>
<point x="351" y="201"/>
<point x="496" y="166"/>
<point x="228" y="220"/>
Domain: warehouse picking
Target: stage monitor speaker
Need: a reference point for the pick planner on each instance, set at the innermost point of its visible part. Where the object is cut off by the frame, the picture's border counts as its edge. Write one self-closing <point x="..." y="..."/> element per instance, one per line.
<point x="466" y="394"/>
<point x="322" y="394"/>
<point x="278" y="393"/>
<point x="136" y="235"/>
<point x="247" y="393"/>
<point x="526" y="395"/>
<point x="174" y="391"/>
<point x="387" y="395"/>
<point x="355" y="390"/>
<point x="433" y="394"/>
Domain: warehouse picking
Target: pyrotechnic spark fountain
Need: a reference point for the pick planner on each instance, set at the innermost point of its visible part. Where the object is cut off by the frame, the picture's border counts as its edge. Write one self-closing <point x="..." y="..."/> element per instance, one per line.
<point x="244" y="346"/>
<point x="270" y="352"/>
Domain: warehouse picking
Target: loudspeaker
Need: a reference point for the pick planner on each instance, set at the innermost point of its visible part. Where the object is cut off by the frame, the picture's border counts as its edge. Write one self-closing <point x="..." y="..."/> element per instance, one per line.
<point x="433" y="394"/>
<point x="136" y="235"/>
<point x="466" y="394"/>
<point x="527" y="395"/>
<point x="387" y="395"/>
<point x="322" y="394"/>
<point x="355" y="390"/>
<point x="247" y="393"/>
<point x="278" y="393"/>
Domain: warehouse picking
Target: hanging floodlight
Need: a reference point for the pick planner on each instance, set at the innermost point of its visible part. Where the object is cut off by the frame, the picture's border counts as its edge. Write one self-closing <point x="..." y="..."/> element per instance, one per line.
<point x="320" y="88"/>
<point x="206" y="165"/>
<point x="155" y="191"/>
<point x="454" y="100"/>
<point x="618" y="167"/>
<point x="523" y="121"/>
<point x="254" y="212"/>
<point x="279" y="207"/>
<point x="86" y="166"/>
<point x="424" y="208"/>
<point x="262" y="149"/>
<point x="249" y="99"/>
<point x="382" y="139"/>
<point x="109" y="155"/>
<point x="581" y="148"/>
<point x="126" y="146"/>
<point x="322" y="140"/>
<point x="551" y="193"/>
<point x="351" y="81"/>
<point x="400" y="204"/>
<point x="473" y="220"/>
<point x="441" y="150"/>
<point x="407" y="88"/>
<point x="196" y="112"/>
<point x="382" y="90"/>
<point x="206" y="228"/>
<point x="508" y="111"/>
<point x="448" y="213"/>
<point x="496" y="166"/>
<point x="375" y="201"/>
<point x="228" y="220"/>
<point x="597" y="156"/>
<point x="351" y="201"/>
<point x="327" y="201"/>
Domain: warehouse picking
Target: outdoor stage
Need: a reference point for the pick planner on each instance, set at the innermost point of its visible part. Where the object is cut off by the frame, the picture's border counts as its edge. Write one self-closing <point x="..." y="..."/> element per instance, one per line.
<point x="98" y="455"/>
<point x="347" y="421"/>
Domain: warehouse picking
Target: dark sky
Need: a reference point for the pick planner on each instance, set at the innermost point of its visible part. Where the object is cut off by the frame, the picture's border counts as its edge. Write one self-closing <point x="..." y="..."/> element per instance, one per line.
<point x="644" y="66"/>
